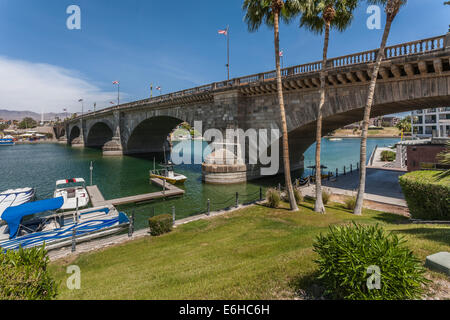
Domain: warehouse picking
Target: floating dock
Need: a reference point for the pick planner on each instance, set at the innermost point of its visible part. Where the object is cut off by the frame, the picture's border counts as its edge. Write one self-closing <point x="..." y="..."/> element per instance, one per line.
<point x="169" y="190"/>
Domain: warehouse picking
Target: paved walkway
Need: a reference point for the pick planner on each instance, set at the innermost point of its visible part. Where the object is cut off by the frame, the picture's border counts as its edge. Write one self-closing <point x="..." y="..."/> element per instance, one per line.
<point x="382" y="185"/>
<point x="386" y="165"/>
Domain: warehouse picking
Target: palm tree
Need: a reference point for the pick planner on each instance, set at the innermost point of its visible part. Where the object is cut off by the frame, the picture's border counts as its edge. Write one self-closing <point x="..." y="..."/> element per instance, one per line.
<point x="392" y="7"/>
<point x="270" y="12"/>
<point x="319" y="16"/>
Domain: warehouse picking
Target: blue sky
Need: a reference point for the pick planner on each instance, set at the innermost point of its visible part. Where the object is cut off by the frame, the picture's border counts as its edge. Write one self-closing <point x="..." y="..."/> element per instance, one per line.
<point x="174" y="44"/>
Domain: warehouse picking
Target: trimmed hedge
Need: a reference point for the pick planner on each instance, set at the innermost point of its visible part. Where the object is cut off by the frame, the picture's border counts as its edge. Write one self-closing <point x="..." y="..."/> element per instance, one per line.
<point x="427" y="195"/>
<point x="160" y="224"/>
<point x="24" y="275"/>
<point x="366" y="263"/>
<point x="388" y="156"/>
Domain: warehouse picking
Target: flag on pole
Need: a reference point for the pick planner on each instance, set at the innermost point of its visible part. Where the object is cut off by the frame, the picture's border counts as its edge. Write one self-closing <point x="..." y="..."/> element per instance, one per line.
<point x="81" y="100"/>
<point x="115" y="82"/>
<point x="158" y="88"/>
<point x="281" y="53"/>
<point x="112" y="102"/>
<point x="224" y="32"/>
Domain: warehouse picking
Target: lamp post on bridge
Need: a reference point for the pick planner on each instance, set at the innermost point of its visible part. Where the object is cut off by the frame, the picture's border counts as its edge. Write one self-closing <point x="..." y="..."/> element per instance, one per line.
<point x="118" y="91"/>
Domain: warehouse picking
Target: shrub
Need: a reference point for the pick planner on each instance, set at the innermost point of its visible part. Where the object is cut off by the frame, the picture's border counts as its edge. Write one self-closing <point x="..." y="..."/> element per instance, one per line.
<point x="24" y="275"/>
<point x="388" y="156"/>
<point x="325" y="197"/>
<point x="160" y="224"/>
<point x="298" y="196"/>
<point x="273" y="198"/>
<point x="347" y="252"/>
<point x="350" y="203"/>
<point x="427" y="194"/>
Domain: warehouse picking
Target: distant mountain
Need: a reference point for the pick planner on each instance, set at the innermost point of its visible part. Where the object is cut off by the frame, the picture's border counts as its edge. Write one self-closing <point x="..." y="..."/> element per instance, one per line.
<point x="19" y="115"/>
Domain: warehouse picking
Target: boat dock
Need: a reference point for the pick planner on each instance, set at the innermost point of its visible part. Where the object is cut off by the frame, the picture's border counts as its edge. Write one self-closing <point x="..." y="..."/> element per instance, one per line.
<point x="169" y="190"/>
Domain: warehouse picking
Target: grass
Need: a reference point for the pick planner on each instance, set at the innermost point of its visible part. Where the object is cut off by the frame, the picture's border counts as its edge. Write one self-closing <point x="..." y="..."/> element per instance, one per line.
<point x="386" y="132"/>
<point x="253" y="253"/>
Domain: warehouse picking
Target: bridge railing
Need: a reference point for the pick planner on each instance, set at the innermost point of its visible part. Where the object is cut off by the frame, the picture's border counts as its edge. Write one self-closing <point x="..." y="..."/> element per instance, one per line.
<point x="404" y="49"/>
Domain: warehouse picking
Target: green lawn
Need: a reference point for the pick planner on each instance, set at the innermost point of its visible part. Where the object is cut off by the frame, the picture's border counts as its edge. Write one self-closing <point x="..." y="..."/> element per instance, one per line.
<point x="253" y="253"/>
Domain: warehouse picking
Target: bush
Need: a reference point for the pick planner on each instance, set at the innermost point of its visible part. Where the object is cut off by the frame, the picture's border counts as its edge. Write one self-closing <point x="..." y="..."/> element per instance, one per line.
<point x="273" y="198"/>
<point x="427" y="194"/>
<point x="24" y="275"/>
<point x="388" y="156"/>
<point x="160" y="224"/>
<point x="298" y="196"/>
<point x="350" y="203"/>
<point x="325" y="197"/>
<point x="347" y="252"/>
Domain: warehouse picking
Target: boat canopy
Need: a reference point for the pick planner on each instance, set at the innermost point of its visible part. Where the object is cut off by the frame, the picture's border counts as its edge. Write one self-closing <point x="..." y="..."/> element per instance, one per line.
<point x="73" y="180"/>
<point x="14" y="215"/>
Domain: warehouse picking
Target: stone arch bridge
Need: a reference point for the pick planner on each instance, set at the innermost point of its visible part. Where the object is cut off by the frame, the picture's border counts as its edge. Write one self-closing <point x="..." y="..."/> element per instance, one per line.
<point x="414" y="75"/>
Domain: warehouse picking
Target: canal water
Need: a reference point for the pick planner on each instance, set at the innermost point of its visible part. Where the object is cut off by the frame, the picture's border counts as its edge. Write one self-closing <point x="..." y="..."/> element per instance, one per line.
<point x="40" y="165"/>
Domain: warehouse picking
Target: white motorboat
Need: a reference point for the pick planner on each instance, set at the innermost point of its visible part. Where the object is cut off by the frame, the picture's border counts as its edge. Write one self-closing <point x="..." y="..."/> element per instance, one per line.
<point x="15" y="197"/>
<point x="30" y="225"/>
<point x="74" y="193"/>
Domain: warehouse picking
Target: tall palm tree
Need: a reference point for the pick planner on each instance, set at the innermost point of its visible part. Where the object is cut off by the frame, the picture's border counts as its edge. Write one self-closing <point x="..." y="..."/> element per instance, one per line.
<point x="320" y="16"/>
<point x="392" y="7"/>
<point x="270" y="12"/>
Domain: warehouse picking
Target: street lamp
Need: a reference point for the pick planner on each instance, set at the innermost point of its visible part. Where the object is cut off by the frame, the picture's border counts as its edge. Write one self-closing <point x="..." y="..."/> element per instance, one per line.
<point x="82" y="107"/>
<point x="118" y="91"/>
<point x="82" y="113"/>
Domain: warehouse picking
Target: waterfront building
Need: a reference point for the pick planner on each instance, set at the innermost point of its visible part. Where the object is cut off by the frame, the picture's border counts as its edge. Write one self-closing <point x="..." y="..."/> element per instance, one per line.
<point x="431" y="122"/>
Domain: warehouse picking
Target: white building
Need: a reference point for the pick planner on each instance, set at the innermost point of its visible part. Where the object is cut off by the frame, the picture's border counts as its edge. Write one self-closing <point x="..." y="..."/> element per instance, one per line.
<point x="429" y="121"/>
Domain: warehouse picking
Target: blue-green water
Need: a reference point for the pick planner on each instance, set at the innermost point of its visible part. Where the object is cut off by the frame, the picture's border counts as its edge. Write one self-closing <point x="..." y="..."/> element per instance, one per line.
<point x="40" y="165"/>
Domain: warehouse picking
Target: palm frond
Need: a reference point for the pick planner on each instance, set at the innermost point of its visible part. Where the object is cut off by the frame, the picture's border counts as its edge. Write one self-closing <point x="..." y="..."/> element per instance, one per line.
<point x="312" y="17"/>
<point x="258" y="12"/>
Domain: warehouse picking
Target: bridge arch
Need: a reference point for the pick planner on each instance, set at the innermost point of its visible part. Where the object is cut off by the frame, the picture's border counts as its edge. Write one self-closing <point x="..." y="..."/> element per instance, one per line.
<point x="99" y="134"/>
<point x="75" y="133"/>
<point x="150" y="135"/>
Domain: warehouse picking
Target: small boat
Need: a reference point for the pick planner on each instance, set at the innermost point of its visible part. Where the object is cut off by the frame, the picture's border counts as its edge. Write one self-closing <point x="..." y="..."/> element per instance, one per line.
<point x="75" y="196"/>
<point x="167" y="173"/>
<point x="7" y="141"/>
<point x="21" y="228"/>
<point x="15" y="197"/>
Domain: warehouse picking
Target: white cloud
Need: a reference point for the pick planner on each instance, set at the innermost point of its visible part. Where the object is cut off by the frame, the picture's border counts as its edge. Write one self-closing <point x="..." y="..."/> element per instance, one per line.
<point x="43" y="87"/>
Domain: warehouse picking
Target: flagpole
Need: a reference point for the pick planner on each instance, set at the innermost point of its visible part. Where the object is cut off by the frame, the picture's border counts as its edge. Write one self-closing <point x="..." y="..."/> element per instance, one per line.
<point x="228" y="52"/>
<point x="118" y="94"/>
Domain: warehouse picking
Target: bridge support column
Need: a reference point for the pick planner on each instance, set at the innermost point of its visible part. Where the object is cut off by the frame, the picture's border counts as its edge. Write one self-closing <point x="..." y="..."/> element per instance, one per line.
<point x="114" y="147"/>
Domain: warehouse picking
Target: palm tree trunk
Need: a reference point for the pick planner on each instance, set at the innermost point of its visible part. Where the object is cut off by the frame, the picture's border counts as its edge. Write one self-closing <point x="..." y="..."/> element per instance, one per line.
<point x="287" y="166"/>
<point x="319" y="207"/>
<point x="367" y="110"/>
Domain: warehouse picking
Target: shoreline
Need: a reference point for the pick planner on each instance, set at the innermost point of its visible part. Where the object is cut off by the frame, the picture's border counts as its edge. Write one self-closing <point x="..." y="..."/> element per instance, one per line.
<point x="359" y="137"/>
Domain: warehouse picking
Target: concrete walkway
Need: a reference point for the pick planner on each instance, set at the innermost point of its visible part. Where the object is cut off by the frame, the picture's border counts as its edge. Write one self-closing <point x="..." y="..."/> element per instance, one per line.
<point x="386" y="165"/>
<point x="380" y="184"/>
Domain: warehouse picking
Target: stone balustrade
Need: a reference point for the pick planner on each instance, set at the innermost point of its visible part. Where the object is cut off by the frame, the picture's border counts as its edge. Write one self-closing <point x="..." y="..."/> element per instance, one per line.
<point x="205" y="92"/>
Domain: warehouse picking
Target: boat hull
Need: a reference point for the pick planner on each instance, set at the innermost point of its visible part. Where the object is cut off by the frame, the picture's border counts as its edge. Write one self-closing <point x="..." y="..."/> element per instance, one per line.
<point x="92" y="224"/>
